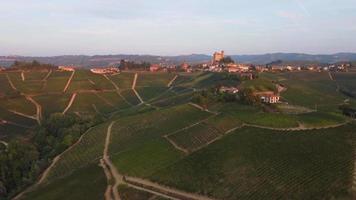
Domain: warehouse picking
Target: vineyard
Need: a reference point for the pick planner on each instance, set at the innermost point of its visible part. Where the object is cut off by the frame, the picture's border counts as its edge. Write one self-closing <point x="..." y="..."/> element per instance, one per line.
<point x="123" y="80"/>
<point x="154" y="79"/>
<point x="231" y="150"/>
<point x="87" y="183"/>
<point x="258" y="164"/>
<point x="87" y="151"/>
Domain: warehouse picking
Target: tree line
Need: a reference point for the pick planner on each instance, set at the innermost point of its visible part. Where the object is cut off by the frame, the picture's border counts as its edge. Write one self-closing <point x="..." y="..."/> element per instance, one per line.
<point x="21" y="162"/>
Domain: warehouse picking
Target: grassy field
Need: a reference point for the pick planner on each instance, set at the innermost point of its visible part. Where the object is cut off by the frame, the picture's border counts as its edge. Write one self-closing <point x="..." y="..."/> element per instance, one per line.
<point x="312" y="90"/>
<point x="148" y="93"/>
<point x="346" y="81"/>
<point x="5" y="87"/>
<point x="154" y="79"/>
<point x="7" y="115"/>
<point x="115" y="99"/>
<point x="91" y="103"/>
<point x="262" y="164"/>
<point x="123" y="80"/>
<point x="47" y="101"/>
<point x="130" y="96"/>
<point x="57" y="81"/>
<point x="27" y="87"/>
<point x="144" y="159"/>
<point x="87" y="183"/>
<point x="9" y="131"/>
<point x="18" y="104"/>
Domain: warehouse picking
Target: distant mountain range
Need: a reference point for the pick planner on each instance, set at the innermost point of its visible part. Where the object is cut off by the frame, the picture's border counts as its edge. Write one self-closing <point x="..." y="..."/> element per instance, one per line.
<point x="104" y="60"/>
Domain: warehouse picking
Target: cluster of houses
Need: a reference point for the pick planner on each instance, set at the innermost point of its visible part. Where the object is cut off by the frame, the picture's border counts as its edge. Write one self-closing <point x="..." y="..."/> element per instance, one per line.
<point x="66" y="68"/>
<point x="267" y="97"/>
<point x="108" y="70"/>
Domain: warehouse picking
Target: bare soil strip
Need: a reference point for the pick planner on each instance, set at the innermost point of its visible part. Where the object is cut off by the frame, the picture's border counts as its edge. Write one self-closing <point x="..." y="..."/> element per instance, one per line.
<point x="23" y="75"/>
<point x="117" y="89"/>
<point x="4" y="143"/>
<point x="202" y="109"/>
<point x="301" y="127"/>
<point x="104" y="100"/>
<point x="16" y="124"/>
<point x="112" y="82"/>
<point x="172" y="81"/>
<point x="118" y="178"/>
<point x="108" y="192"/>
<point x="69" y="81"/>
<point x="49" y="73"/>
<point x="38" y="108"/>
<point x="170" y="192"/>
<point x="331" y="76"/>
<point x="23" y="115"/>
<point x="11" y="83"/>
<point x="74" y="95"/>
<point x="134" y="86"/>
<point x="176" y="146"/>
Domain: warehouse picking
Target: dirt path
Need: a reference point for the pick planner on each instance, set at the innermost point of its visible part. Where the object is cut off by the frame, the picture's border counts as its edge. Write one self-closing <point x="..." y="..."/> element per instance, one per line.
<point x="176" y="146"/>
<point x="49" y="73"/>
<point x="331" y="76"/>
<point x="4" y="143"/>
<point x="170" y="192"/>
<point x="202" y="109"/>
<point x="117" y="89"/>
<point x="301" y="127"/>
<point x="23" y="115"/>
<point x="136" y="182"/>
<point x="10" y="82"/>
<point x="68" y="82"/>
<point x="118" y="179"/>
<point x="108" y="192"/>
<point x="104" y="99"/>
<point x="172" y="81"/>
<point x="134" y="90"/>
<point x="16" y="124"/>
<point x="74" y="95"/>
<point x="22" y="75"/>
<point x="38" y="108"/>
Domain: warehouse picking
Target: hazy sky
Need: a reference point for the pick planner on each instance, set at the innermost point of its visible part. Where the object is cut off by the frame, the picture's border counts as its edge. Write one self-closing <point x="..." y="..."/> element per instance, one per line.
<point x="170" y="27"/>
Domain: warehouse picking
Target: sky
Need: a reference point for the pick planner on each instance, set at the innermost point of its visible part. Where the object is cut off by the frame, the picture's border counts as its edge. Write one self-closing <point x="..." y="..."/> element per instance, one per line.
<point x="176" y="27"/>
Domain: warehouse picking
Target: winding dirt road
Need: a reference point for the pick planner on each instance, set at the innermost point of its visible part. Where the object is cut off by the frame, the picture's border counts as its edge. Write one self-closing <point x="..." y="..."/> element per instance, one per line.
<point x="134" y="90"/>
<point x="172" y="81"/>
<point x="38" y="108"/>
<point x="69" y="81"/>
<point x="74" y="95"/>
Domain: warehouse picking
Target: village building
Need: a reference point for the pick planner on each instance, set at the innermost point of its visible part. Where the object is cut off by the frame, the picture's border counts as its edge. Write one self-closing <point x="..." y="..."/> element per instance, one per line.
<point x="230" y="90"/>
<point x="109" y="70"/>
<point x="234" y="68"/>
<point x="66" y="68"/>
<point x="2" y="69"/>
<point x="268" y="97"/>
<point x="217" y="57"/>
<point x="155" y="68"/>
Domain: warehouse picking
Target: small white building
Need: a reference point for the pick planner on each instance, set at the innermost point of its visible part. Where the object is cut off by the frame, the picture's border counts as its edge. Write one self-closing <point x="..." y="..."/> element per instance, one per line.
<point x="66" y="68"/>
<point x="230" y="90"/>
<point x="111" y="70"/>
